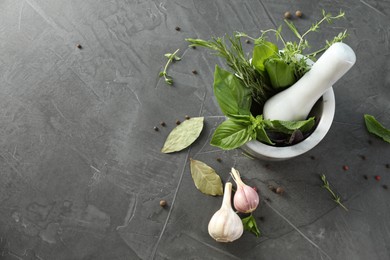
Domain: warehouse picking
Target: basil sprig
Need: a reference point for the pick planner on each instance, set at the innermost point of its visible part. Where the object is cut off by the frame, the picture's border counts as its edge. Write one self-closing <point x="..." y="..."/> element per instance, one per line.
<point x="241" y="126"/>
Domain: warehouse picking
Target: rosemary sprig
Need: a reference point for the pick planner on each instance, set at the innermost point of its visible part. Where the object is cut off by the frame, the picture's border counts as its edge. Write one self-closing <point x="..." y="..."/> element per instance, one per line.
<point x="336" y="198"/>
<point x="171" y="58"/>
<point x="239" y="63"/>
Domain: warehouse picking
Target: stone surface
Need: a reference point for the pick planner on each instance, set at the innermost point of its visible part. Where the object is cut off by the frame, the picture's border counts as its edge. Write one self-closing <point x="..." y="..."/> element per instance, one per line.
<point x="81" y="170"/>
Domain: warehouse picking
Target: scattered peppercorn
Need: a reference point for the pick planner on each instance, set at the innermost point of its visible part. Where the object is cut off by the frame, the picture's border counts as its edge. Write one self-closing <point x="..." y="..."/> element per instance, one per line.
<point x="385" y="186"/>
<point x="272" y="188"/>
<point x="155" y="128"/>
<point x="193" y="47"/>
<point x="219" y="159"/>
<point x="248" y="41"/>
<point x="365" y="177"/>
<point x="194" y="72"/>
<point x="363" y="157"/>
<point x="387" y="166"/>
<point x="345" y="167"/>
<point x="187" y="117"/>
<point x="162" y="123"/>
<point x="163" y="203"/>
<point x="177" y="28"/>
<point x="279" y="190"/>
<point x="369" y="142"/>
<point x="312" y="157"/>
<point x="267" y="166"/>
<point x="287" y="15"/>
<point x="268" y="199"/>
<point x="261" y="218"/>
<point x="377" y="177"/>
<point x="79" y="46"/>
<point x="299" y="14"/>
<point x="178" y="122"/>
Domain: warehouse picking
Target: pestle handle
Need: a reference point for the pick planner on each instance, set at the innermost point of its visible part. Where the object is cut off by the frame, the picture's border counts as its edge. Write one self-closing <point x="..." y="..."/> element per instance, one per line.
<point x="296" y="102"/>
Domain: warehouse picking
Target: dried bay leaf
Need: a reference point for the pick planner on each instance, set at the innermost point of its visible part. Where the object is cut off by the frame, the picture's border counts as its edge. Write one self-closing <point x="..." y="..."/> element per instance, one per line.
<point x="205" y="178"/>
<point x="183" y="135"/>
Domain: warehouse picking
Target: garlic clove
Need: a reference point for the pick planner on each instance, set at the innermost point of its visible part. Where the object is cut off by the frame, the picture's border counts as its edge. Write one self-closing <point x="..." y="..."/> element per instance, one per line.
<point x="225" y="225"/>
<point x="246" y="198"/>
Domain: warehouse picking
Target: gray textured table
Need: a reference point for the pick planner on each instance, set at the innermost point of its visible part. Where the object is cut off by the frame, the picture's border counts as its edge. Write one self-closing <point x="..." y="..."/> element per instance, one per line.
<point x="81" y="170"/>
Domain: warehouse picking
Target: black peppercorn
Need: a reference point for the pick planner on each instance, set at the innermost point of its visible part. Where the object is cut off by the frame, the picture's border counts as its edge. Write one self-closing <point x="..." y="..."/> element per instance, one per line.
<point x="178" y="122"/>
<point x="177" y="28"/>
<point x="79" y="46"/>
<point x="194" y="72"/>
<point x="155" y="128"/>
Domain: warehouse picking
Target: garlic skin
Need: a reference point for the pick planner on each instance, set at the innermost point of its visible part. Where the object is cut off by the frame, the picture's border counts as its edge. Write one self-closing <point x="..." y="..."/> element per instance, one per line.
<point x="246" y="198"/>
<point x="225" y="225"/>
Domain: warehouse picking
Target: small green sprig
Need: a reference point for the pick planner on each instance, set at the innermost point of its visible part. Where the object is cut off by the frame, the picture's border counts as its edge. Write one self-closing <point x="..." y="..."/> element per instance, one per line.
<point x="171" y="58"/>
<point x="250" y="225"/>
<point x="336" y="198"/>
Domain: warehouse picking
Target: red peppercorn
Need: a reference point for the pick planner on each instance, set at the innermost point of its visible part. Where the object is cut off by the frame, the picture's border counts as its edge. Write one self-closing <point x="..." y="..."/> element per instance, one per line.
<point x="345" y="168"/>
<point x="377" y="177"/>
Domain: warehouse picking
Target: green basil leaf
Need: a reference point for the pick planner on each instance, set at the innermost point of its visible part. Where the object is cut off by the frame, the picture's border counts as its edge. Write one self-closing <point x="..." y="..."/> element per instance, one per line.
<point x="246" y="119"/>
<point x="250" y="225"/>
<point x="183" y="135"/>
<point x="374" y="127"/>
<point x="262" y="52"/>
<point x="288" y="127"/>
<point x="280" y="73"/>
<point x="262" y="135"/>
<point x="232" y="96"/>
<point x="231" y="134"/>
<point x="205" y="178"/>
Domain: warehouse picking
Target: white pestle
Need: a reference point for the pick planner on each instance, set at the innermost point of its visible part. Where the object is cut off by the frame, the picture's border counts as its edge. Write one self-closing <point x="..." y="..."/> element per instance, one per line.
<point x="296" y="102"/>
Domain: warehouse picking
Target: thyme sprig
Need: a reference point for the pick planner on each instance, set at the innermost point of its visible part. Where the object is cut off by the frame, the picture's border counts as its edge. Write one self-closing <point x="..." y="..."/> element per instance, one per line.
<point x="336" y="198"/>
<point x="171" y="58"/>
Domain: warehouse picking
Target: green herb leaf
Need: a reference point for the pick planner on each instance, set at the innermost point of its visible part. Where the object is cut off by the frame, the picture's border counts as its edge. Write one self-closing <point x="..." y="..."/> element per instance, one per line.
<point x="183" y="135"/>
<point x="374" y="127"/>
<point x="288" y="127"/>
<point x="168" y="55"/>
<point x="232" y="96"/>
<point x="262" y="52"/>
<point x="280" y="73"/>
<point x="250" y="225"/>
<point x="205" y="178"/>
<point x="232" y="134"/>
<point x="262" y="135"/>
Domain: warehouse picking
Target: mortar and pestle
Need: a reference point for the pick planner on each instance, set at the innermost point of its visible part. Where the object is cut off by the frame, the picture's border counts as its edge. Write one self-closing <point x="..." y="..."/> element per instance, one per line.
<point x="311" y="95"/>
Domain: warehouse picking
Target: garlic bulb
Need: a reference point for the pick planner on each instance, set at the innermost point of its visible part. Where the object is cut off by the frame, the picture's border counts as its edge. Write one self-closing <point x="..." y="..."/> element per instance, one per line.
<point x="226" y="225"/>
<point x="246" y="198"/>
